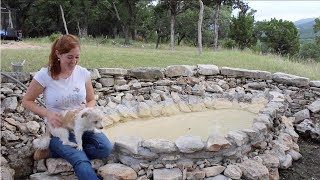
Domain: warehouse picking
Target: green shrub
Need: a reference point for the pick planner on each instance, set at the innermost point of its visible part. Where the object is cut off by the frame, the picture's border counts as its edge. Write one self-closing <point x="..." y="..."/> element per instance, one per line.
<point x="104" y="41"/>
<point x="310" y="50"/>
<point x="228" y="43"/>
<point x="261" y="47"/>
<point x="54" y="36"/>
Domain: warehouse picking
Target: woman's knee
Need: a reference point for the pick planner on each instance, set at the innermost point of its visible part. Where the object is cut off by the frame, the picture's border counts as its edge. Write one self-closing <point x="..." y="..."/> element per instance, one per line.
<point x="106" y="148"/>
<point x="97" y="145"/>
<point x="82" y="165"/>
<point x="84" y="170"/>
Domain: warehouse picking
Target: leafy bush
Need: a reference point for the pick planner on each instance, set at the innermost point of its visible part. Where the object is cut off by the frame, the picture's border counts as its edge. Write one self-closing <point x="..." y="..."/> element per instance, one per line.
<point x="310" y="50"/>
<point x="228" y="43"/>
<point x="54" y="36"/>
<point x="261" y="47"/>
<point x="104" y="41"/>
<point x="280" y="36"/>
<point x="207" y="38"/>
<point x="242" y="30"/>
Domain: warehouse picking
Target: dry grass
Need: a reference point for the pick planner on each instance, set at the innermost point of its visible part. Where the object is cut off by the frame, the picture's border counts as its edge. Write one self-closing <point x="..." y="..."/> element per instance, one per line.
<point x="95" y="55"/>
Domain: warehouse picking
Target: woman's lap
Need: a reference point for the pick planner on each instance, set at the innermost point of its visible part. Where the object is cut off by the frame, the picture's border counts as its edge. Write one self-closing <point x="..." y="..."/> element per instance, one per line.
<point x="95" y="145"/>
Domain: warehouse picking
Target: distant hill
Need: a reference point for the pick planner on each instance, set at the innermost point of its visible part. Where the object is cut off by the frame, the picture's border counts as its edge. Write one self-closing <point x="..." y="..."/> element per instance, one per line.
<point x="305" y="29"/>
<point x="303" y="21"/>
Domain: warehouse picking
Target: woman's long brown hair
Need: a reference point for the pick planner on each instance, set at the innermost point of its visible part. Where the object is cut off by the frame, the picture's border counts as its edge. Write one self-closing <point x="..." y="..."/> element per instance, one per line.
<point x="63" y="45"/>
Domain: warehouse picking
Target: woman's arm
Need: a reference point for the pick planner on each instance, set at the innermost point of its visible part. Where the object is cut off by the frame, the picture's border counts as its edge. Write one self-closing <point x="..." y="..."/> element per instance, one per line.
<point x="33" y="91"/>
<point x="91" y="101"/>
<point x="28" y="101"/>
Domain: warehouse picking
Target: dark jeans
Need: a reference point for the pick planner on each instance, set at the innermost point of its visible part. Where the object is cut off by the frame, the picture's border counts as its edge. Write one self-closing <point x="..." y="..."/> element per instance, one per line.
<point x="95" y="146"/>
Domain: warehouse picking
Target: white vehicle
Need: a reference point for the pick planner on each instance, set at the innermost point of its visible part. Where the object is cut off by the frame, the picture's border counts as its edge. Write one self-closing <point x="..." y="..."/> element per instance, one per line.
<point x="8" y="29"/>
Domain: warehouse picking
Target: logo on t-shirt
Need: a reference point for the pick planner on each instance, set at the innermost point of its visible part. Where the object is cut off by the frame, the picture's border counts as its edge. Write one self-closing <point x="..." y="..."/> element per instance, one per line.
<point x="76" y="89"/>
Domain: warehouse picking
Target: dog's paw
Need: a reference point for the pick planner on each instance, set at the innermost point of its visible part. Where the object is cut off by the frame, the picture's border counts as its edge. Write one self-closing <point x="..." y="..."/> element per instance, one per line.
<point x="72" y="144"/>
<point x="96" y="130"/>
<point x="80" y="148"/>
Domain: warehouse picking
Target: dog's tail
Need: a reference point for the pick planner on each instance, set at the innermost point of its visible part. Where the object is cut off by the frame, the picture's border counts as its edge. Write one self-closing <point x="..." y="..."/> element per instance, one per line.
<point x="42" y="142"/>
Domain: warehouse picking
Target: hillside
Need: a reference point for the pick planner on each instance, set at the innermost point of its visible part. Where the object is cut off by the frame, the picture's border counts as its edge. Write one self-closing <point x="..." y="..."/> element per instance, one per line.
<point x="305" y="29"/>
<point x="304" y="21"/>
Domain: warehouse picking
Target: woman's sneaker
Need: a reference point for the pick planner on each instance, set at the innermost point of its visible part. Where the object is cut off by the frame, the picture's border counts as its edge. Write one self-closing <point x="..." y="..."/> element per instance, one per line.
<point x="41" y="154"/>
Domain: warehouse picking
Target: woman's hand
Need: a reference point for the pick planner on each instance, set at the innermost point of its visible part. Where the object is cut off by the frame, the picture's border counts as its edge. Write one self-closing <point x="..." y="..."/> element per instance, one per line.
<point x="54" y="118"/>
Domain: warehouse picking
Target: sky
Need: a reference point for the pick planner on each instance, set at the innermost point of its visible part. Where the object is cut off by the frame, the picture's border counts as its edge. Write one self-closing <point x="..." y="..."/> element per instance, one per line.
<point x="286" y="10"/>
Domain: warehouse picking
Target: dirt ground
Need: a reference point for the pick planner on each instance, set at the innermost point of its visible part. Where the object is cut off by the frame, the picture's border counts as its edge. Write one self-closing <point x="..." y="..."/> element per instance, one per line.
<point x="308" y="167"/>
<point x="17" y="45"/>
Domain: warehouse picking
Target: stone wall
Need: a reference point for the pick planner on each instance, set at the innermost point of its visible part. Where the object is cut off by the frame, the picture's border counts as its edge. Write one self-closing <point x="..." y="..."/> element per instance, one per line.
<point x="289" y="104"/>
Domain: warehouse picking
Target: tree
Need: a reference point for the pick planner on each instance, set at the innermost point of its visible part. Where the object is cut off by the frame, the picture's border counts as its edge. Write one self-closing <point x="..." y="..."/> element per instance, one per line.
<point x="316" y="29"/>
<point x="161" y="22"/>
<point x="22" y="8"/>
<point x="81" y="13"/>
<point x="200" y="27"/>
<point x="310" y="50"/>
<point x="44" y="18"/>
<point x="64" y="20"/>
<point x="186" y="26"/>
<point x="217" y="4"/>
<point x="126" y="15"/>
<point x="175" y="7"/>
<point x="144" y="23"/>
<point x="125" y="18"/>
<point x="242" y="29"/>
<point x="280" y="36"/>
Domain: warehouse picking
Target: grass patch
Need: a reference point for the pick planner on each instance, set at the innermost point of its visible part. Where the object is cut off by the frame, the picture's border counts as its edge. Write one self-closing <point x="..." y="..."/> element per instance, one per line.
<point x="111" y="54"/>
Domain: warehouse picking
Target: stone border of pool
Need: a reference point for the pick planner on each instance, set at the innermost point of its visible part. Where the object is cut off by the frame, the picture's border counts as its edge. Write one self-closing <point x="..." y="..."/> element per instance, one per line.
<point x="123" y="94"/>
<point x="218" y="152"/>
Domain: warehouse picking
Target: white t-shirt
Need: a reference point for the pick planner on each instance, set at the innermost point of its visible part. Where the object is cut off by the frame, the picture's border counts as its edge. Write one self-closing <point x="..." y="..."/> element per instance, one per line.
<point x="64" y="94"/>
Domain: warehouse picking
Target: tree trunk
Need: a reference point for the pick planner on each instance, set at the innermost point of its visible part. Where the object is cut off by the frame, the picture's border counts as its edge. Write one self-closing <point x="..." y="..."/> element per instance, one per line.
<point x="180" y="39"/>
<point x="172" y="31"/>
<point x="24" y="15"/>
<point x="82" y="30"/>
<point x="130" y="19"/>
<point x="133" y="34"/>
<point x="200" y="27"/>
<point x="216" y="26"/>
<point x="79" y="30"/>
<point x="10" y="20"/>
<point x="115" y="32"/>
<point x="158" y="41"/>
<point x="64" y="21"/>
<point x="9" y="17"/>
<point x="116" y="10"/>
<point x="126" y="34"/>
<point x="124" y="28"/>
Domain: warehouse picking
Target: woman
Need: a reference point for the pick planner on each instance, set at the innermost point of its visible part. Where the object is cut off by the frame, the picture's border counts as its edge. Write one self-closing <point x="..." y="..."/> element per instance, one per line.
<point x="65" y="86"/>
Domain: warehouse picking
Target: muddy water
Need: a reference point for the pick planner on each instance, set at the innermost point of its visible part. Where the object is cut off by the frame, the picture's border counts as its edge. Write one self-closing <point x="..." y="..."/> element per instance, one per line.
<point x="201" y="124"/>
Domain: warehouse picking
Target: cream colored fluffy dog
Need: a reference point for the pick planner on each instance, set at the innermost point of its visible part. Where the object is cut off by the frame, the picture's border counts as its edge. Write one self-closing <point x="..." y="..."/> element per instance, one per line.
<point x="79" y="121"/>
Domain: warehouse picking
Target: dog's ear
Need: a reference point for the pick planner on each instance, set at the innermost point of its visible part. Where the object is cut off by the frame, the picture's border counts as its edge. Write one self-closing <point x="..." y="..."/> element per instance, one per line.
<point x="84" y="115"/>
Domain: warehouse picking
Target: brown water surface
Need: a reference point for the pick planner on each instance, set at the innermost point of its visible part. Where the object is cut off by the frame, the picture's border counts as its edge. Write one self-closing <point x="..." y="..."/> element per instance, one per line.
<point x="201" y="124"/>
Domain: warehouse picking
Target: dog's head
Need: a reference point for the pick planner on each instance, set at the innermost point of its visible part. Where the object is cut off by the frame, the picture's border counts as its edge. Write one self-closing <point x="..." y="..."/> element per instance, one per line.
<point x="93" y="116"/>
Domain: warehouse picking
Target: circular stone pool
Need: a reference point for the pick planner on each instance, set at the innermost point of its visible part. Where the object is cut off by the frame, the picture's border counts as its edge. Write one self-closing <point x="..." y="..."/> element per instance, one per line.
<point x="203" y="124"/>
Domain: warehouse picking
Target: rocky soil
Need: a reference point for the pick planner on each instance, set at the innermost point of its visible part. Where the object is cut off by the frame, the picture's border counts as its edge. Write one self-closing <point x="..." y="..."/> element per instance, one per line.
<point x="308" y="167"/>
